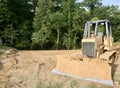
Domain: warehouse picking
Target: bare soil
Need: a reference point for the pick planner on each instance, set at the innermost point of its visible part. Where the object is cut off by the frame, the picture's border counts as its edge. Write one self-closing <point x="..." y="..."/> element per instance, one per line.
<point x="32" y="69"/>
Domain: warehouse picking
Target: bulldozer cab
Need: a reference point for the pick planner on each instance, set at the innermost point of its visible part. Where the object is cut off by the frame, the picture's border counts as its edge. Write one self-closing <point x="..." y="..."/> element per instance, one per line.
<point x="97" y="38"/>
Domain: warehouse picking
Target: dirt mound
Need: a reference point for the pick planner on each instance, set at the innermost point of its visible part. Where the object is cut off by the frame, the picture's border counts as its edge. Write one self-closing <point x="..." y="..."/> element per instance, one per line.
<point x="11" y="51"/>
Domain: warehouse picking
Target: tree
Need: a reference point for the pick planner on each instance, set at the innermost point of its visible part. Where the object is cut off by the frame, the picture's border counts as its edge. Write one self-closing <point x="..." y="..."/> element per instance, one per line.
<point x="68" y="7"/>
<point x="16" y="18"/>
<point x="115" y="19"/>
<point x="41" y="22"/>
<point x="92" y="5"/>
<point x="57" y="23"/>
<point x="41" y="37"/>
<point x="4" y="16"/>
<point x="79" y="19"/>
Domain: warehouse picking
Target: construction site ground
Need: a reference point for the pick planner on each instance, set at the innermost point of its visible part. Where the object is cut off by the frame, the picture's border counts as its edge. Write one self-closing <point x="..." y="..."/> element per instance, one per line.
<point x="32" y="69"/>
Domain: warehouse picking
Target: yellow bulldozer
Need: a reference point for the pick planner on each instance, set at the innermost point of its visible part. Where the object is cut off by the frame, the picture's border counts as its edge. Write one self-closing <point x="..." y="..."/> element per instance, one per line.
<point x="95" y="60"/>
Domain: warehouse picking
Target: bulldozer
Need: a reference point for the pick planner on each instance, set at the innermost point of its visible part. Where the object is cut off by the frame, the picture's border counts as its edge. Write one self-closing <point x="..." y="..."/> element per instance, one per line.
<point x="94" y="62"/>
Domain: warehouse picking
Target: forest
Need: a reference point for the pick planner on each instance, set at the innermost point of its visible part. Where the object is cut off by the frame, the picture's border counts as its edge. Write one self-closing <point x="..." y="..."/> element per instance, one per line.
<point x="52" y="24"/>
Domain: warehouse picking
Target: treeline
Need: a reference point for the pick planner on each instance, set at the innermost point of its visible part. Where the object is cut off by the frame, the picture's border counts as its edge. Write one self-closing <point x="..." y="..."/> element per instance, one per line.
<point x="51" y="24"/>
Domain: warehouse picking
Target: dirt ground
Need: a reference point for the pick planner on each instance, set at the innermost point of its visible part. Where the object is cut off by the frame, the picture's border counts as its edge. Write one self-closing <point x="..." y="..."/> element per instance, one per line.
<point x="32" y="69"/>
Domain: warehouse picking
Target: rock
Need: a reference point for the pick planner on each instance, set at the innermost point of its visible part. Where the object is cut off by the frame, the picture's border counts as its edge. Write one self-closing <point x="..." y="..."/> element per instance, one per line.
<point x="2" y="61"/>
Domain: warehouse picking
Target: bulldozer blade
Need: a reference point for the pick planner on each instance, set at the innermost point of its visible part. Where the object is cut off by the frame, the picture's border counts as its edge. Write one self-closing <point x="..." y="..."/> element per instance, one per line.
<point x="94" y="70"/>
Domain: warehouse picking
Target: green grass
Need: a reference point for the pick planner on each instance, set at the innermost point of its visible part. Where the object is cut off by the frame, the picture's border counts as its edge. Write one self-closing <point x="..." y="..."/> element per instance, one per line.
<point x="4" y="47"/>
<point x="71" y="84"/>
<point x="1" y="53"/>
<point x="43" y="85"/>
<point x="117" y="77"/>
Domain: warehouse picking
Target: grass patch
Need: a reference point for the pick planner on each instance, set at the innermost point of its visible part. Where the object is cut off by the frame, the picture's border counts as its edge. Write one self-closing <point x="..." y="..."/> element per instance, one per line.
<point x="72" y="84"/>
<point x="117" y="77"/>
<point x="94" y="85"/>
<point x="1" y="53"/>
<point x="42" y="85"/>
<point x="4" y="47"/>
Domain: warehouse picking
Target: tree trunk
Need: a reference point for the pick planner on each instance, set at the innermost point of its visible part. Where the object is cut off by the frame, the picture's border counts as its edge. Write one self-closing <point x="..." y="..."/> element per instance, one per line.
<point x="11" y="40"/>
<point x="74" y="47"/>
<point x="69" y="40"/>
<point x="58" y="38"/>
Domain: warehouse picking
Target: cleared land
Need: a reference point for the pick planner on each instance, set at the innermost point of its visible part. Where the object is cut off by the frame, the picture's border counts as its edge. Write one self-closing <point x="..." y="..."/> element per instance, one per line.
<point x="32" y="69"/>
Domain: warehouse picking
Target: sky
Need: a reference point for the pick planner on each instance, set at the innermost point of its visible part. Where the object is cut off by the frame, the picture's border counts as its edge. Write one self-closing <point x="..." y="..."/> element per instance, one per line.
<point x="109" y="2"/>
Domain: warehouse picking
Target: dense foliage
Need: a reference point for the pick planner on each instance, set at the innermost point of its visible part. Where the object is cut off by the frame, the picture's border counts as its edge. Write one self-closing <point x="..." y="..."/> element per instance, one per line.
<point x="51" y="24"/>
